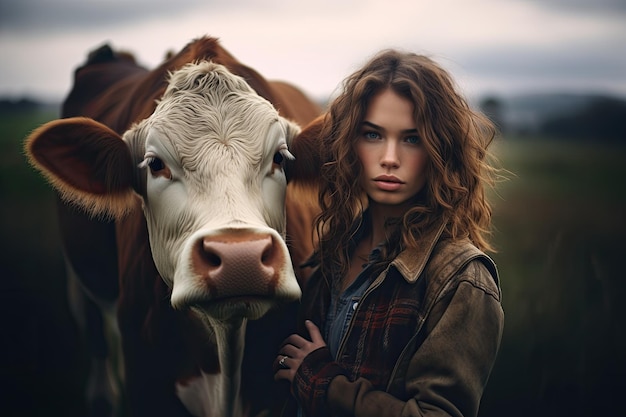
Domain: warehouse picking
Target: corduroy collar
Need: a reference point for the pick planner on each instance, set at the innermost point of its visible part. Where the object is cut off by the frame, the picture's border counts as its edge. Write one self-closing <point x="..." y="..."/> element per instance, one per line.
<point x="411" y="262"/>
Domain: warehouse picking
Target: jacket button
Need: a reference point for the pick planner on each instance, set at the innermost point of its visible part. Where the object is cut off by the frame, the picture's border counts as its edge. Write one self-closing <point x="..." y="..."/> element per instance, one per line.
<point x="354" y="306"/>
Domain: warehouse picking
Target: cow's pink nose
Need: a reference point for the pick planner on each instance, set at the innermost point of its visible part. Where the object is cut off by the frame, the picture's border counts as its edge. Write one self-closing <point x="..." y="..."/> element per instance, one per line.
<point x="240" y="264"/>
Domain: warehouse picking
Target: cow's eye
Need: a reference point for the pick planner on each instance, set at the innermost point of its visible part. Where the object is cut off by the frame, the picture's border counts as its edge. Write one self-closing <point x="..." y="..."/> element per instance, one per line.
<point x="278" y="161"/>
<point x="156" y="165"/>
<point x="278" y="158"/>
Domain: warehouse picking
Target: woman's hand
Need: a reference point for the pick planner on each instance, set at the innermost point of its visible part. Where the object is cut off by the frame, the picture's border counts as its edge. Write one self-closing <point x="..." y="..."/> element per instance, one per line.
<point x="293" y="351"/>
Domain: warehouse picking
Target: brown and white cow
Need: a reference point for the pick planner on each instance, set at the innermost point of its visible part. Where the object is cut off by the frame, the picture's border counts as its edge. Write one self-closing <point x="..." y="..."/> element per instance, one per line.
<point x="173" y="188"/>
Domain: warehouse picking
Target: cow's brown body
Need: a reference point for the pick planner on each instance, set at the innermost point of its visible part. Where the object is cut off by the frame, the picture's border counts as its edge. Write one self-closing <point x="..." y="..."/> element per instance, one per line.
<point x="113" y="258"/>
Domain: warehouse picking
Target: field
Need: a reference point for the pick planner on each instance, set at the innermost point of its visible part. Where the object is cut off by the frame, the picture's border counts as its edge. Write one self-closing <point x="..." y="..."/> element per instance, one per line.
<point x="560" y="222"/>
<point x="41" y="357"/>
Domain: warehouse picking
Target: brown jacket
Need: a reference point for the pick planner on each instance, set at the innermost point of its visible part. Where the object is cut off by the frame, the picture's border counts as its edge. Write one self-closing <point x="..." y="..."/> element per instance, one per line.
<point x="422" y="341"/>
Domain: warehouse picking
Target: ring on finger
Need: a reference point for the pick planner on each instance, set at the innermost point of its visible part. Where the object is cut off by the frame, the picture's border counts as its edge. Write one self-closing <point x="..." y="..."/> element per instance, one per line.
<point x="282" y="363"/>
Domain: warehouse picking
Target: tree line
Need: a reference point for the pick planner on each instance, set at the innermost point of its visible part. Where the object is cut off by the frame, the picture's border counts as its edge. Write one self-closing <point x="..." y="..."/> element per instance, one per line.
<point x="600" y="118"/>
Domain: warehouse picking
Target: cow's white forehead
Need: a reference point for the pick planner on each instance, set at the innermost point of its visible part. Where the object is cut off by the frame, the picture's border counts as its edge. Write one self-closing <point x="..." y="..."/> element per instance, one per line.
<point x="205" y="76"/>
<point x="205" y="103"/>
<point x="209" y="113"/>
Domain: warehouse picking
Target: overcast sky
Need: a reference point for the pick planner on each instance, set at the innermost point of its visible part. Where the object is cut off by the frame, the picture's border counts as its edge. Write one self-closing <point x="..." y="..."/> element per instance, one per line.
<point x="490" y="46"/>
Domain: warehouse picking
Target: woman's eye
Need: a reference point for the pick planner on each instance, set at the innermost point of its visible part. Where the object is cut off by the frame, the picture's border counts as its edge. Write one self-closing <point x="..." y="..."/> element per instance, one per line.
<point x="414" y="140"/>
<point x="371" y="135"/>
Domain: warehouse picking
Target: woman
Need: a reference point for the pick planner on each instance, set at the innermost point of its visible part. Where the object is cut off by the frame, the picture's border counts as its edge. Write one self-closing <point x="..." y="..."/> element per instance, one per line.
<point x="402" y="315"/>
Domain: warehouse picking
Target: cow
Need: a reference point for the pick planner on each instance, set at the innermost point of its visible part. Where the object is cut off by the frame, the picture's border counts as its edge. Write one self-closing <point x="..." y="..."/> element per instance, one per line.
<point x="172" y="186"/>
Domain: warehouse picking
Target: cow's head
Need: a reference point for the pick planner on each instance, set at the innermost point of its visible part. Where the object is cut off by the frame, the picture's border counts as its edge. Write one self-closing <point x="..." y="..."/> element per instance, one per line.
<point x="208" y="166"/>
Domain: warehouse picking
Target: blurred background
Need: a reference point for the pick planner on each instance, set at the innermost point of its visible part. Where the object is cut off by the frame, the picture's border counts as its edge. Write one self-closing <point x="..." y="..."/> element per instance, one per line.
<point x="551" y="74"/>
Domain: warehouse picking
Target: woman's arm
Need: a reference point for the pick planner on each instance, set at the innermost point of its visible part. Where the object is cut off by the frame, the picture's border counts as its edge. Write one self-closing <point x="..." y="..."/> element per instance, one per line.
<point x="447" y="374"/>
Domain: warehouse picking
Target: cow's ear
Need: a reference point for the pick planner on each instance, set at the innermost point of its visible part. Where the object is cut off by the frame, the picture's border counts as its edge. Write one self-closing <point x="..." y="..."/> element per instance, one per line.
<point x="88" y="163"/>
<point x="306" y="147"/>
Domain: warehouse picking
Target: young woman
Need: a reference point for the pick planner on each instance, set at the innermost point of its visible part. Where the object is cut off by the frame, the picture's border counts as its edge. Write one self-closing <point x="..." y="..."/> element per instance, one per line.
<point x="402" y="315"/>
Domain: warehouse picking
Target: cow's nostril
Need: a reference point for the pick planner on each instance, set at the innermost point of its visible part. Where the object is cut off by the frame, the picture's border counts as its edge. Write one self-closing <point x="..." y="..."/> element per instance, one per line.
<point x="267" y="255"/>
<point x="209" y="255"/>
<point x="212" y="259"/>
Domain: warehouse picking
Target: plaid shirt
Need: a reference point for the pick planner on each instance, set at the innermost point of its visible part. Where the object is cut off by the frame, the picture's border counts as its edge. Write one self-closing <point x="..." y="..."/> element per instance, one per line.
<point x="424" y="337"/>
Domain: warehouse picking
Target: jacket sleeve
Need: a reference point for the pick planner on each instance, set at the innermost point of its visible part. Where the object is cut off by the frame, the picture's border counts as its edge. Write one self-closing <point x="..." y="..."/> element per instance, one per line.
<point x="447" y="374"/>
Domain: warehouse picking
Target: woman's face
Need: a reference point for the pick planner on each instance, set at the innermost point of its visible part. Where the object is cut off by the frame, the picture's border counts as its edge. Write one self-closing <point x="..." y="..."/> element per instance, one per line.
<point x="391" y="152"/>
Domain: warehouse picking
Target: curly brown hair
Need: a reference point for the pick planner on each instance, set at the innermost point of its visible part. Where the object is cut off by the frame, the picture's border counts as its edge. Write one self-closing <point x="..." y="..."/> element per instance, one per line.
<point x="455" y="138"/>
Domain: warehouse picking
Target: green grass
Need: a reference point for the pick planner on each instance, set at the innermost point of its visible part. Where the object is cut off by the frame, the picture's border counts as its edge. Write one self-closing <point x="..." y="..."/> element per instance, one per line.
<point x="27" y="213"/>
<point x="16" y="180"/>
<point x="566" y="171"/>
<point x="560" y="222"/>
<point x="43" y="353"/>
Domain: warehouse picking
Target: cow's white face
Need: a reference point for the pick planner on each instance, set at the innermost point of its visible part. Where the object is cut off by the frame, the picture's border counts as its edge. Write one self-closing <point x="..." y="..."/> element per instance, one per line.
<point x="213" y="186"/>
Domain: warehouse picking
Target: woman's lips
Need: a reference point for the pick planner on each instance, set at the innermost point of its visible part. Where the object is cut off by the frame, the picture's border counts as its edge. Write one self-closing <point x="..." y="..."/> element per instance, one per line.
<point x="388" y="182"/>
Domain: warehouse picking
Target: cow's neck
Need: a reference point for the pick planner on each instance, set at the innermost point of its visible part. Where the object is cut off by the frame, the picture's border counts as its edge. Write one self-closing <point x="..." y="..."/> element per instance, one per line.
<point x="218" y="394"/>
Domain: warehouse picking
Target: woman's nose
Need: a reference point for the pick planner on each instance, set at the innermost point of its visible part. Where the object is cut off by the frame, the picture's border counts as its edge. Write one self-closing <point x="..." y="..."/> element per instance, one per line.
<point x="390" y="158"/>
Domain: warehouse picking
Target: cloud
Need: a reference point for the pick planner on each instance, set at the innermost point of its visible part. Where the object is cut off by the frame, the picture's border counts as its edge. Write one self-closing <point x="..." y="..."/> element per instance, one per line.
<point x="596" y="7"/>
<point x="570" y="61"/>
<point x="487" y="44"/>
<point x="576" y="67"/>
<point x="71" y="15"/>
<point x="42" y="16"/>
